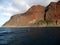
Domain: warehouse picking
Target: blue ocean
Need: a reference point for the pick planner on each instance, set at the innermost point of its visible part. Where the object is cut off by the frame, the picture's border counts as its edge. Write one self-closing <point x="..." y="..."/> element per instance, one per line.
<point x="30" y="36"/>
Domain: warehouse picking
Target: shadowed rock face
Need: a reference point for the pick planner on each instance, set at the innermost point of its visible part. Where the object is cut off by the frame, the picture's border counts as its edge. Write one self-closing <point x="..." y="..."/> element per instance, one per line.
<point x="34" y="14"/>
<point x="53" y="12"/>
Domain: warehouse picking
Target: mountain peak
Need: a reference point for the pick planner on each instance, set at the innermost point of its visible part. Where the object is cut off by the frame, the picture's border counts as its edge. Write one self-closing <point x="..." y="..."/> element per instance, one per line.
<point x="34" y="14"/>
<point x="36" y="8"/>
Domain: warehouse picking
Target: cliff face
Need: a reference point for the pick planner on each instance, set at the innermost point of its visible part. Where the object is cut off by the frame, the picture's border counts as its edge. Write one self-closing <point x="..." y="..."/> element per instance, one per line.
<point x="53" y="12"/>
<point x="35" y="13"/>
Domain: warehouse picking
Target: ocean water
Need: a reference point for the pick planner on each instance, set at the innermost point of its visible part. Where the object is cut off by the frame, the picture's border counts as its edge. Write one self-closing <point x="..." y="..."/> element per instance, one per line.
<point x="30" y="36"/>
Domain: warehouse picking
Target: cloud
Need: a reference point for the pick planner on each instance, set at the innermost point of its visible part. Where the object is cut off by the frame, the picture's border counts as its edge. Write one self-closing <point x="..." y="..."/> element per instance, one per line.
<point x="6" y="14"/>
<point x="8" y="11"/>
<point x="22" y="5"/>
<point x="48" y="1"/>
<point x="12" y="9"/>
<point x="29" y="3"/>
<point x="7" y="8"/>
<point x="1" y="8"/>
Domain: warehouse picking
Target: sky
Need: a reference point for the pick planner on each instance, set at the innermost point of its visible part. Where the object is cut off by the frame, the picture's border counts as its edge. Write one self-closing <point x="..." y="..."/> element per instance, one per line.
<point x="10" y="7"/>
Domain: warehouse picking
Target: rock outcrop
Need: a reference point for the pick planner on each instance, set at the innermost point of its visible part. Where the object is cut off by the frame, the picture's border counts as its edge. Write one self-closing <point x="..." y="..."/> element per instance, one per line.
<point x="34" y="14"/>
<point x="53" y="12"/>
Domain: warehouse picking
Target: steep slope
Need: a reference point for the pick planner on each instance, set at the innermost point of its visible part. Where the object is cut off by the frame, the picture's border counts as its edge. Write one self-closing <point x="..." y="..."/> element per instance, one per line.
<point x="37" y="16"/>
<point x="53" y="12"/>
<point x="34" y="14"/>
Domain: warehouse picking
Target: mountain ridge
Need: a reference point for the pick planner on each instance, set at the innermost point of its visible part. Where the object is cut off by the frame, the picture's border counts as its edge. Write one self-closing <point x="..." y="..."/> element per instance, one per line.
<point x="37" y="15"/>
